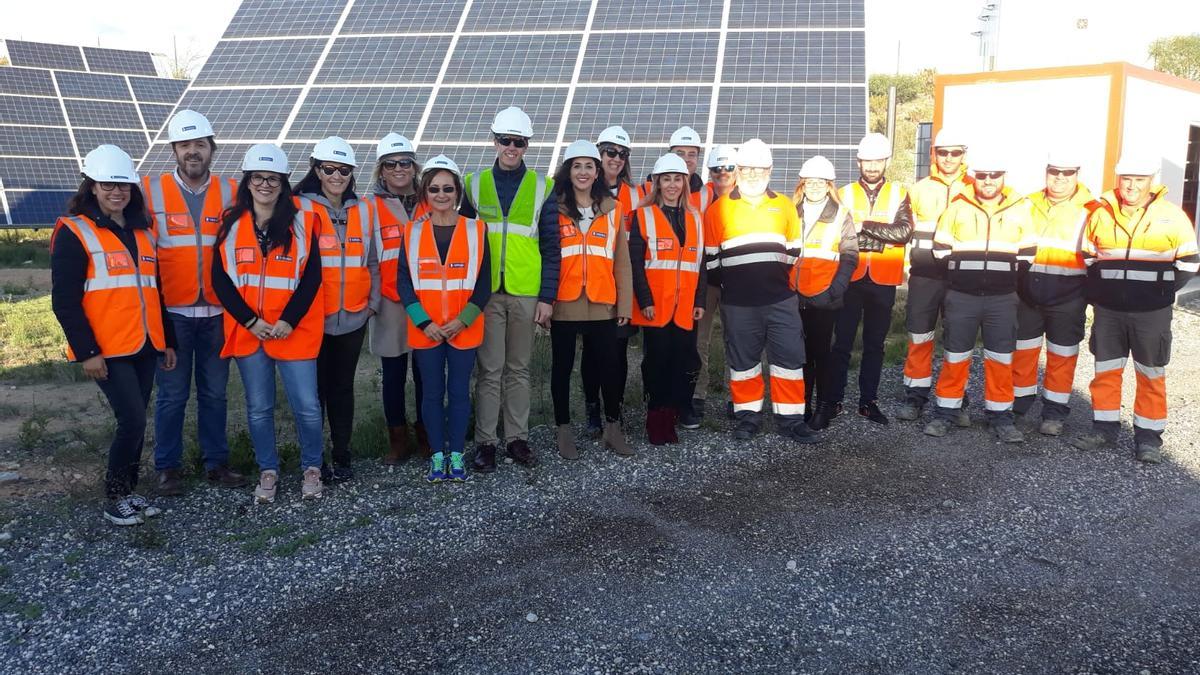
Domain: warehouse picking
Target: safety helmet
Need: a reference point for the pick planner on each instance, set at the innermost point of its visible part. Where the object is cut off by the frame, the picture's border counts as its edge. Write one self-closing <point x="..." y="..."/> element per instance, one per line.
<point x="721" y="155"/>
<point x="616" y="136"/>
<point x="109" y="164"/>
<point x="265" y="157"/>
<point x="441" y="162"/>
<point x="581" y="149"/>
<point x="987" y="158"/>
<point x="685" y="136"/>
<point x="948" y="138"/>
<point x="334" y="149"/>
<point x="669" y="163"/>
<point x="818" y="166"/>
<point x="755" y="154"/>
<point x="187" y="125"/>
<point x="393" y="143"/>
<point x="874" y="146"/>
<point x="1137" y="165"/>
<point x="1066" y="158"/>
<point x="512" y="121"/>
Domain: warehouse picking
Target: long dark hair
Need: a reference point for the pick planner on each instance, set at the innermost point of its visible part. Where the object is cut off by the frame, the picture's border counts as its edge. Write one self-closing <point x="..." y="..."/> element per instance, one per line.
<point x="83" y="203"/>
<point x="626" y="174"/>
<point x="565" y="191"/>
<point x="311" y="183"/>
<point x="279" y="227"/>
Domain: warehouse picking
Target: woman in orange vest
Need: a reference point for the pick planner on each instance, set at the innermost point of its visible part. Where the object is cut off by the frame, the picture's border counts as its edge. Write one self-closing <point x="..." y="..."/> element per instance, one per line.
<point x="444" y="283"/>
<point x="395" y="204"/>
<point x="594" y="293"/>
<point x="666" y="249"/>
<point x="821" y="276"/>
<point x="105" y="296"/>
<point x="350" y="279"/>
<point x="267" y="274"/>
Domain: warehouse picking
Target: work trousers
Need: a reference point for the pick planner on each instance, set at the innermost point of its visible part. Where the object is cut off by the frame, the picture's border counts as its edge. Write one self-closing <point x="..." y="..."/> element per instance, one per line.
<point x="127" y="388"/>
<point x="818" y="338"/>
<point x="778" y="329"/>
<point x="1147" y="336"/>
<point x="503" y="376"/>
<point x="1062" y="328"/>
<point x="446" y="394"/>
<point x="599" y="352"/>
<point x="395" y="374"/>
<point x="337" y="364"/>
<point x="671" y="366"/>
<point x="922" y="309"/>
<point x="198" y="348"/>
<point x="966" y="316"/>
<point x="871" y="304"/>
<point x="704" y="331"/>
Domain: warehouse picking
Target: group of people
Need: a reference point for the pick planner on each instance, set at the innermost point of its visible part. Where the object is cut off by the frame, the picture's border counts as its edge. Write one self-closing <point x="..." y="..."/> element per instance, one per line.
<point x="166" y="277"/>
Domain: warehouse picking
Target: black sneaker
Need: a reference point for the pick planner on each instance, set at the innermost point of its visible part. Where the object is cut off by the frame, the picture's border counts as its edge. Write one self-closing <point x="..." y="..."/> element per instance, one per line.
<point x="342" y="472"/>
<point x="745" y="430"/>
<point x="595" y="424"/>
<point x="689" y="419"/>
<point x="143" y="506"/>
<point x="521" y="453"/>
<point x="800" y="432"/>
<point x="485" y="458"/>
<point x="698" y="407"/>
<point x="871" y="411"/>
<point x="123" y="512"/>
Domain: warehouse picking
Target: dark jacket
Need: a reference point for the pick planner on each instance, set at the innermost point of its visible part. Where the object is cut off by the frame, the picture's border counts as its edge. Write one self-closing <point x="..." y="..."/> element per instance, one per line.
<point x="873" y="235"/>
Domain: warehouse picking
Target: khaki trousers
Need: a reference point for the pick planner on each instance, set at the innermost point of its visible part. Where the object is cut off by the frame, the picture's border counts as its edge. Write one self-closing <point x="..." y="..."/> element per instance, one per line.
<point x="712" y="301"/>
<point x="502" y="377"/>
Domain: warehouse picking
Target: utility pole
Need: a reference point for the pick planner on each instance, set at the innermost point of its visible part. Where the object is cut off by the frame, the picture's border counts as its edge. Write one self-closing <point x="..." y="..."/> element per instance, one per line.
<point x="989" y="34"/>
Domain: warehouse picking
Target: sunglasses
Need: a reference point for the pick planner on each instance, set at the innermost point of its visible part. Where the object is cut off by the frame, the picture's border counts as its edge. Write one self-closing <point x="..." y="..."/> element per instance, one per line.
<point x="613" y="152"/>
<point x="270" y="181"/>
<point x="392" y="164"/>
<point x="329" y="169"/>
<point x="949" y="153"/>
<point x="988" y="175"/>
<point x="727" y="168"/>
<point x="509" y="140"/>
<point x="436" y="189"/>
<point x="109" y="187"/>
<point x="1051" y="171"/>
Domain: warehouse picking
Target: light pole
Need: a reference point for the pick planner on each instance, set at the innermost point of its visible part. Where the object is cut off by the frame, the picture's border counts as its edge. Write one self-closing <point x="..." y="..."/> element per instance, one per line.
<point x="989" y="33"/>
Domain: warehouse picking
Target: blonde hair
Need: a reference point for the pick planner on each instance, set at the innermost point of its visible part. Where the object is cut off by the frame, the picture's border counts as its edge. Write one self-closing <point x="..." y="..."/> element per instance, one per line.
<point x="376" y="173"/>
<point x="654" y="196"/>
<point x="798" y="195"/>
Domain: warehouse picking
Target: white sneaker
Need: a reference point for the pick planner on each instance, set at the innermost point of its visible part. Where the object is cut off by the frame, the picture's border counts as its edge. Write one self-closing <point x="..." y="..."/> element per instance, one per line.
<point x="264" y="492"/>
<point x="312" y="487"/>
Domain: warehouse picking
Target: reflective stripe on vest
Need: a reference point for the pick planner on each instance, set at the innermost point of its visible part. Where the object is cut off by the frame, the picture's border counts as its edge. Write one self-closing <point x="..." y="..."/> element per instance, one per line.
<point x="347" y="282"/>
<point x="513" y="236"/>
<point x="885" y="267"/>
<point x="587" y="258"/>
<point x="444" y="287"/>
<point x="389" y="236"/>
<point x="185" y="247"/>
<point x="815" y="270"/>
<point x="672" y="267"/>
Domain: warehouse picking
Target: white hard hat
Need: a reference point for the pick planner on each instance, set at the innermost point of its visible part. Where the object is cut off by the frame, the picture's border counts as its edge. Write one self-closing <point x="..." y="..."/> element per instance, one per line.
<point x="1137" y="165"/>
<point x="441" y="162"/>
<point x="755" y="153"/>
<point x="334" y="149"/>
<point x="988" y="159"/>
<point x="109" y="164"/>
<point x="722" y="155"/>
<point x="392" y="144"/>
<point x="616" y="136"/>
<point x="669" y="163"/>
<point x="187" y="125"/>
<point x="685" y="136"/>
<point x="581" y="149"/>
<point x="512" y="121"/>
<point x="874" y="146"/>
<point x="265" y="157"/>
<point x="948" y="138"/>
<point x="1066" y="158"/>
<point x="817" y="166"/>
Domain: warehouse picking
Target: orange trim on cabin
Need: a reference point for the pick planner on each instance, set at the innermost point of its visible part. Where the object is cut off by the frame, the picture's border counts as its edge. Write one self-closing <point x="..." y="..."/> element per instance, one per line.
<point x="1116" y="125"/>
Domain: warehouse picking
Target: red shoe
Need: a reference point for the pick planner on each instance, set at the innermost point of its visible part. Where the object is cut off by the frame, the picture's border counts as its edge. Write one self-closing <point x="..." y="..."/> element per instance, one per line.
<point x="656" y="421"/>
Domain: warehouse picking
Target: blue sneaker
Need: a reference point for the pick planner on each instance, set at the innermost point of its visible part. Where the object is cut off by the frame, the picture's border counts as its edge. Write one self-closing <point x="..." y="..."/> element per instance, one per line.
<point x="458" y="469"/>
<point x="437" y="470"/>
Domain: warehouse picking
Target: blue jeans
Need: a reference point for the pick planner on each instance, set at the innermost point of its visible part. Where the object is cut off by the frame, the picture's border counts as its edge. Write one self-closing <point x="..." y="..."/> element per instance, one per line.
<point x="300" y="385"/>
<point x="199" y="344"/>
<point x="445" y="370"/>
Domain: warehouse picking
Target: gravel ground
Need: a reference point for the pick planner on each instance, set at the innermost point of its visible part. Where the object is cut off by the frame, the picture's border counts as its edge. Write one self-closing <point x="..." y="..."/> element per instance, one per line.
<point x="878" y="551"/>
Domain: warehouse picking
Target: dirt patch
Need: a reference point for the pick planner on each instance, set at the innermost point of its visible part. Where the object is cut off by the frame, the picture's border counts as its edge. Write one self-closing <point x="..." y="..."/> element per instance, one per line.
<point x="37" y="280"/>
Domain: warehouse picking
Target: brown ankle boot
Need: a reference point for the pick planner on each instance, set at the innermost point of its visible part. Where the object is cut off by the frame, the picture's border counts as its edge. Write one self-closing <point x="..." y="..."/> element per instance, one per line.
<point x="566" y="442"/>
<point x="614" y="439"/>
<point x="422" y="441"/>
<point x="398" y="450"/>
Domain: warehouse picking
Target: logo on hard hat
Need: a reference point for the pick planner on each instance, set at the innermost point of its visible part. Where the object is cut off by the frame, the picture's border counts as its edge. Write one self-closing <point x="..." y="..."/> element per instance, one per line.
<point x="339" y="152"/>
<point x="191" y="128"/>
<point x="118" y="176"/>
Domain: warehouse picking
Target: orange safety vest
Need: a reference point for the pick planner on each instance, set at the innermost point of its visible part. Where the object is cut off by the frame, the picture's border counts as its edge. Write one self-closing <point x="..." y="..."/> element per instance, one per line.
<point x="345" y="277"/>
<point x="587" y="258"/>
<point x="119" y="287"/>
<point x="185" y="247"/>
<point x="267" y="283"/>
<point x="816" y="268"/>
<point x="672" y="267"/>
<point x="628" y="197"/>
<point x="886" y="267"/>
<point x="389" y="235"/>
<point x="444" y="287"/>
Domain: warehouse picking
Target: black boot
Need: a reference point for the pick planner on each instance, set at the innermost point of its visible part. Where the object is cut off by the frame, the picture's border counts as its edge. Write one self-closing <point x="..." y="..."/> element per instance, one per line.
<point x="823" y="414"/>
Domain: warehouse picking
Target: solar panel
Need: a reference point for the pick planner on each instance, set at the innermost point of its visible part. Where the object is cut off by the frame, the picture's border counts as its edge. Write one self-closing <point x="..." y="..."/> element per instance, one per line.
<point x="120" y="61"/>
<point x="90" y="85"/>
<point x="41" y="55"/>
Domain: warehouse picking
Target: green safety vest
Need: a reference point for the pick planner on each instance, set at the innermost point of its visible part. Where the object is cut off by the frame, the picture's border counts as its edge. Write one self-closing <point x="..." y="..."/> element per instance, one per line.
<point x="513" y="239"/>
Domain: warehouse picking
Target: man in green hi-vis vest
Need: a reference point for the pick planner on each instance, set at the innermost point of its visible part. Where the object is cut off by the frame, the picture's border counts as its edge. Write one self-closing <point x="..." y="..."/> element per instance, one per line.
<point x="521" y="214"/>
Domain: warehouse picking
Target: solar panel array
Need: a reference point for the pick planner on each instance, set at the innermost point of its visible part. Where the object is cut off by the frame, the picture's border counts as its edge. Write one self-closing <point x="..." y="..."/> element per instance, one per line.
<point x="791" y="72"/>
<point x="57" y="102"/>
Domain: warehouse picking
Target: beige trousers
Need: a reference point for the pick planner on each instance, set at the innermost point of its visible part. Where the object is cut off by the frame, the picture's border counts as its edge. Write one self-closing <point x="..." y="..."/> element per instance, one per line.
<point x="502" y="376"/>
<point x="712" y="301"/>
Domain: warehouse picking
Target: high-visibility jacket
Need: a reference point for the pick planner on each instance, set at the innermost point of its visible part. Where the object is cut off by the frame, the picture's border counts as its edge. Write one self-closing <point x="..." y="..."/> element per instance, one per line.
<point x="672" y="267"/>
<point x="628" y="198"/>
<point x="814" y="271"/>
<point x="389" y="236"/>
<point x="1058" y="270"/>
<point x="185" y="247"/>
<point x="983" y="244"/>
<point x="266" y="283"/>
<point x="513" y="237"/>
<point x="444" y="287"/>
<point x="1132" y="260"/>
<point x="751" y="249"/>
<point x="929" y="198"/>
<point x="886" y="267"/>
<point x="120" y="291"/>
<point x="588" y="258"/>
<point x="344" y="273"/>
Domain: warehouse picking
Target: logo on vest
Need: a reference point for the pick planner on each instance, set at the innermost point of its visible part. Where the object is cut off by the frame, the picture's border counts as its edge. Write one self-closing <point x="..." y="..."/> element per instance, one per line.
<point x="119" y="260"/>
<point x="390" y="232"/>
<point x="355" y="240"/>
<point x="429" y="265"/>
<point x="457" y="265"/>
<point x="179" y="223"/>
<point x="327" y="241"/>
<point x="489" y="212"/>
<point x="284" y="258"/>
<point x="244" y="255"/>
<point x="664" y="244"/>
<point x="211" y="219"/>
<point x="149" y="259"/>
<point x="568" y="231"/>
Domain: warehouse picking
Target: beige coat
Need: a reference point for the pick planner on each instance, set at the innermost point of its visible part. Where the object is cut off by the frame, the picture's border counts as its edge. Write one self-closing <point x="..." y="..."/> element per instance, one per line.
<point x="583" y="309"/>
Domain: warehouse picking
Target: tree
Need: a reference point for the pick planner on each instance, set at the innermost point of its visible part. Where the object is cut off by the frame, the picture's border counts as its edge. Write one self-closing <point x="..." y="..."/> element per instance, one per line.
<point x="3" y="60"/>
<point x="1178" y="55"/>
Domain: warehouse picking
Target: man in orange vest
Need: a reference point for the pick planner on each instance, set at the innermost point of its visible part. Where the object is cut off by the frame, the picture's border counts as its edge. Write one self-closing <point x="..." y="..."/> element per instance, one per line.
<point x="186" y="208"/>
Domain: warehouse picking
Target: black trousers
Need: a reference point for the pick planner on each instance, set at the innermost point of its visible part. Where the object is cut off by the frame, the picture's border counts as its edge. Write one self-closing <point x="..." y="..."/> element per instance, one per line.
<point x="599" y="356"/>
<point x="589" y="376"/>
<point x="870" y="303"/>
<point x="671" y="365"/>
<point x="818" y="338"/>
<point x="337" y="363"/>
<point x="395" y="374"/>
<point x="130" y="379"/>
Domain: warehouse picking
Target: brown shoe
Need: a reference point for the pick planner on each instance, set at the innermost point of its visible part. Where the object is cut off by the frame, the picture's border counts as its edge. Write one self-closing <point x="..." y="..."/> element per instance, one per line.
<point x="398" y="450"/>
<point x="170" y="483"/>
<point x="566" y="442"/>
<point x="614" y="439"/>
<point x="225" y="477"/>
<point x="422" y="441"/>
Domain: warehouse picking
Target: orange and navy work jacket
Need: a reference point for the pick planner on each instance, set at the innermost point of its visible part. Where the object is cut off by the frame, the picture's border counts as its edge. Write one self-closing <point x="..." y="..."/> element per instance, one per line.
<point x="444" y="287"/>
<point x="345" y="275"/>
<point x="985" y="244"/>
<point x="886" y="267"/>
<point x="929" y="198"/>
<point x="751" y="248"/>
<point x="1058" y="270"/>
<point x="672" y="267"/>
<point x="185" y="247"/>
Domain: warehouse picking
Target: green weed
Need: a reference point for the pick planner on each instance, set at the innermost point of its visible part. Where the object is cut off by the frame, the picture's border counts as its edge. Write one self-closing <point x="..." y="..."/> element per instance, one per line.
<point x="32" y="345"/>
<point x="11" y="604"/>
<point x="148" y="537"/>
<point x="73" y="558"/>
<point x="33" y="432"/>
<point x="291" y="547"/>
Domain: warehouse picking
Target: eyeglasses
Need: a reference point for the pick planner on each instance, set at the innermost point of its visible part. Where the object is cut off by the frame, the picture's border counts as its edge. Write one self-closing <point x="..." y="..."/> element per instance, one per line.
<point x="949" y="153"/>
<point x="109" y="187"/>
<point x="727" y="168"/>
<point x="989" y="175"/>
<point x="754" y="170"/>
<point x="1051" y="171"/>
<point x="329" y="169"/>
<point x="438" y="189"/>
<point x="613" y="152"/>
<point x="393" y="164"/>
<point x="259" y="179"/>
<point x="510" y="140"/>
